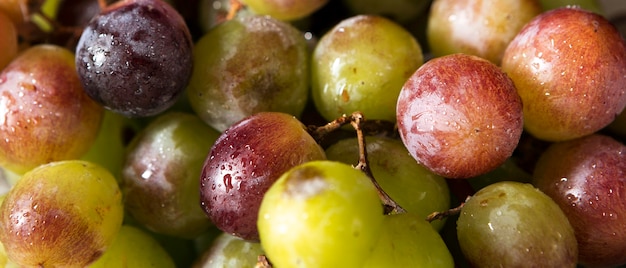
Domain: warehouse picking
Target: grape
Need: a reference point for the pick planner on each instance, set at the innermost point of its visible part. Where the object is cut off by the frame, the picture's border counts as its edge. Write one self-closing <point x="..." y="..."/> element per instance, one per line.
<point x="587" y="178"/>
<point x="449" y="21"/>
<point x="14" y="9"/>
<point x="160" y="177"/>
<point x="245" y="161"/>
<point x="8" y="46"/>
<point x="249" y="65"/>
<point x="361" y="65"/>
<point x="230" y="251"/>
<point x="44" y="113"/>
<point x="513" y="224"/>
<point x="4" y="259"/>
<point x="135" y="57"/>
<point x="568" y="66"/>
<point x="460" y="116"/>
<point x="320" y="214"/>
<point x="134" y="247"/>
<point x="407" y="240"/>
<point x="63" y="213"/>
<point x="412" y="186"/>
<point x="287" y="10"/>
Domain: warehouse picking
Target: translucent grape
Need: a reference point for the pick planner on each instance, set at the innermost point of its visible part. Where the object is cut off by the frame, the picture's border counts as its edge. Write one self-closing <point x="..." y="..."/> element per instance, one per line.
<point x="513" y="224"/>
<point x="361" y="65"/>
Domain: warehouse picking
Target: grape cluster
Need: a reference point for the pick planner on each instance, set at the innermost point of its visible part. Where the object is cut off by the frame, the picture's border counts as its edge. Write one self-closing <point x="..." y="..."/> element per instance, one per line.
<point x="312" y="133"/>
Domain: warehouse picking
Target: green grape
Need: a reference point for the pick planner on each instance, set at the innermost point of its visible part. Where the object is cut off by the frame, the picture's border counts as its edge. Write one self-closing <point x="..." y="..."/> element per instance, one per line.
<point x="160" y="176"/>
<point x="248" y="65"/>
<point x="513" y="224"/>
<point x="413" y="187"/>
<point x="134" y="247"/>
<point x="361" y="64"/>
<point x="407" y="240"/>
<point x="61" y="214"/>
<point x="115" y="133"/>
<point x="230" y="251"/>
<point x="320" y="214"/>
<point x="287" y="10"/>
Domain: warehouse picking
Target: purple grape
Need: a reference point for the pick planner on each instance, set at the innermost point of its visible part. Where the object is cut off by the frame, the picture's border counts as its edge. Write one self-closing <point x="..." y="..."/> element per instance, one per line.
<point x="135" y="57"/>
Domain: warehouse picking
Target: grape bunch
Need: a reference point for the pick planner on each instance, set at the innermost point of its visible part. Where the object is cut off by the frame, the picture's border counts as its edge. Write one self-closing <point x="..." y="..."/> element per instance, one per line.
<point x="312" y="133"/>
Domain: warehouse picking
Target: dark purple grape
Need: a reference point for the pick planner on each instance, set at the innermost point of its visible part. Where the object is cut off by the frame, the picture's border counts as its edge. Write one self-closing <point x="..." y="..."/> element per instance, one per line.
<point x="245" y="161"/>
<point x="135" y="57"/>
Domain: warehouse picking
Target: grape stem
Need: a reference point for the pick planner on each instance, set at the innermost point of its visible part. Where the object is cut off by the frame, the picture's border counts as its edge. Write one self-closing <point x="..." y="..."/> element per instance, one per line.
<point x="357" y="121"/>
<point x="263" y="262"/>
<point x="235" y="6"/>
<point x="439" y="215"/>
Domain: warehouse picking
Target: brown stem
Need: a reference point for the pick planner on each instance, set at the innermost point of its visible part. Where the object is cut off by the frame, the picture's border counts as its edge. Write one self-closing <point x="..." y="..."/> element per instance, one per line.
<point x="446" y="213"/>
<point x="103" y="4"/>
<point x="320" y="132"/>
<point x="235" y="6"/>
<point x="389" y="205"/>
<point x="263" y="262"/>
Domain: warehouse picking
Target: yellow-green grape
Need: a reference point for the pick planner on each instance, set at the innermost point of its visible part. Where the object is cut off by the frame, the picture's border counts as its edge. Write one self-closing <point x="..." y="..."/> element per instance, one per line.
<point x="513" y="224"/>
<point x="408" y="240"/>
<point x="61" y="214"/>
<point x="229" y="251"/>
<point x="320" y="214"/>
<point x="361" y="64"/>
<point x="134" y="247"/>
<point x="412" y="186"/>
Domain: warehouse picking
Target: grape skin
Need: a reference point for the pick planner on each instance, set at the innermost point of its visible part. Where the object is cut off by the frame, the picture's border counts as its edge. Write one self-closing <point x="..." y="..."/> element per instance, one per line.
<point x="320" y="214"/>
<point x="45" y="114"/>
<point x="135" y="57"/>
<point x="513" y="224"/>
<point x="63" y="213"/>
<point x="249" y="65"/>
<point x="242" y="165"/>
